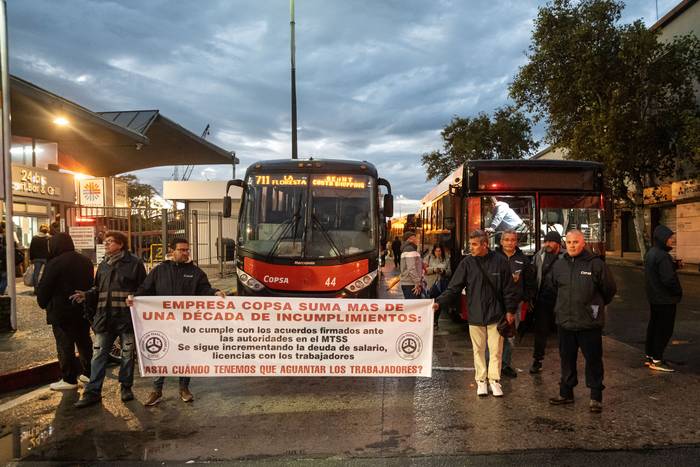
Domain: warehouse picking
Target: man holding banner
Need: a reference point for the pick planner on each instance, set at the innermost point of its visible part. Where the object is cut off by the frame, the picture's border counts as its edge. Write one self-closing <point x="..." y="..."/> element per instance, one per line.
<point x="179" y="276"/>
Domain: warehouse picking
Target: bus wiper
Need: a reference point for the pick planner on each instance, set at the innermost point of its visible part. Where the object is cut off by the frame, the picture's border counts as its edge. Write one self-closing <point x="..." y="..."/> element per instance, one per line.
<point x="326" y="235"/>
<point x="289" y="224"/>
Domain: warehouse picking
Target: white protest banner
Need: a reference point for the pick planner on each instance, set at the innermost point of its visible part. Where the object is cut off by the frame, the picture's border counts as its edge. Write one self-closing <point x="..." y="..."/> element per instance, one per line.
<point x="261" y="336"/>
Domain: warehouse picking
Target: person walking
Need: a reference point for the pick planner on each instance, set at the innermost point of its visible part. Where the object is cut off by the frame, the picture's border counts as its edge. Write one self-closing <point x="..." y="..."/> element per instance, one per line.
<point x="437" y="275"/>
<point x="118" y="276"/>
<point x="39" y="252"/>
<point x="396" y="252"/>
<point x="664" y="292"/>
<point x="411" y="267"/>
<point x="545" y="296"/>
<point x="525" y="280"/>
<point x="491" y="295"/>
<point x="175" y="276"/>
<point x="67" y="271"/>
<point x="585" y="286"/>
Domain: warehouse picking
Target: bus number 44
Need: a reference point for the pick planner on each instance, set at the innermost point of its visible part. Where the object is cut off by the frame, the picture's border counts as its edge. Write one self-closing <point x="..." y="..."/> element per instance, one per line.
<point x="330" y="282"/>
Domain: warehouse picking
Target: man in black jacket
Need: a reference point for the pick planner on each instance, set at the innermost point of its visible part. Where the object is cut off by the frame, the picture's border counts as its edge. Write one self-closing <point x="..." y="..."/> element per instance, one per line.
<point x="584" y="286"/>
<point x="178" y="276"/>
<point x="67" y="271"/>
<point x="396" y="251"/>
<point x="545" y="296"/>
<point x="118" y="276"/>
<point x="526" y="282"/>
<point x="664" y="292"/>
<point x="491" y="294"/>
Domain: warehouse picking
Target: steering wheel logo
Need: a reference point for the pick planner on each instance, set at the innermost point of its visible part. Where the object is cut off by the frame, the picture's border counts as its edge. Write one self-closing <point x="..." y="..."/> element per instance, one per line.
<point x="154" y="345"/>
<point x="409" y="346"/>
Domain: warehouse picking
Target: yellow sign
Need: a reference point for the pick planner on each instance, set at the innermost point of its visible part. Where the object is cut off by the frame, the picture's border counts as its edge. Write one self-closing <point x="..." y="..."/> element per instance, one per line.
<point x="337" y="181"/>
<point x="280" y="180"/>
<point x="156" y="253"/>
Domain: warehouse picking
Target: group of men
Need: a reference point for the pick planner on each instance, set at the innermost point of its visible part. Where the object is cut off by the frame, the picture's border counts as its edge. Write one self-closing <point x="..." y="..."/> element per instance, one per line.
<point x="570" y="287"/>
<point x="76" y="300"/>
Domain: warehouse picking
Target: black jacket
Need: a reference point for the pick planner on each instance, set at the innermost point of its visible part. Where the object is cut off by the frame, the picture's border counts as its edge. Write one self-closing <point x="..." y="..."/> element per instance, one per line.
<point x="39" y="247"/>
<point x="521" y="266"/>
<point x="662" y="284"/>
<point x="396" y="247"/>
<point x="484" y="308"/>
<point x="66" y="272"/>
<point x="171" y="278"/>
<point x="546" y="293"/>
<point x="584" y="286"/>
<point x="107" y="299"/>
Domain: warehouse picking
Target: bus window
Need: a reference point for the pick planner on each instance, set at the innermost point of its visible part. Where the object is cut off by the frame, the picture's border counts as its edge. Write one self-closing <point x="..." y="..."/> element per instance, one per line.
<point x="565" y="213"/>
<point x="500" y="213"/>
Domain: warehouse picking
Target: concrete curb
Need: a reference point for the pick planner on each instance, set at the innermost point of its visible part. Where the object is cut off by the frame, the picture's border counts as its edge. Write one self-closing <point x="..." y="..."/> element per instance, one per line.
<point x="689" y="269"/>
<point x="34" y="376"/>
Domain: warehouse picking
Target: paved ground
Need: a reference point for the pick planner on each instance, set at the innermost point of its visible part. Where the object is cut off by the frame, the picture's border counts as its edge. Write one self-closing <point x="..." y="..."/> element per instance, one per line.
<point x="390" y="421"/>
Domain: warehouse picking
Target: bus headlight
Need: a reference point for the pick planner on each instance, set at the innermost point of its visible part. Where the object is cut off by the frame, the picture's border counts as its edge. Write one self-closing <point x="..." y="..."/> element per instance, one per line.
<point x="249" y="281"/>
<point x="359" y="284"/>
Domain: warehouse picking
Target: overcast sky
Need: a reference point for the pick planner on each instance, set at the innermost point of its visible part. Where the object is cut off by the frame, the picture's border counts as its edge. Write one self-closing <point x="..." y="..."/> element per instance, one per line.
<point x="376" y="79"/>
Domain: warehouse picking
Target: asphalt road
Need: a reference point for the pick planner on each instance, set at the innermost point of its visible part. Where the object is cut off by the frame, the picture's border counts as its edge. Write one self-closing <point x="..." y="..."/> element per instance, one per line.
<point x="628" y="316"/>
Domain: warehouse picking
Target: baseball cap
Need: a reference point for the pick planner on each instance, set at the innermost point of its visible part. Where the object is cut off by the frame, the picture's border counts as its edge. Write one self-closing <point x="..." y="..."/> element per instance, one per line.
<point x="407" y="235"/>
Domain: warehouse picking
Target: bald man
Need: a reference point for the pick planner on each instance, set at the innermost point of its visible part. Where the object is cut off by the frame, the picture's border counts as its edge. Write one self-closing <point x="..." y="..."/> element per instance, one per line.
<point x="584" y="286"/>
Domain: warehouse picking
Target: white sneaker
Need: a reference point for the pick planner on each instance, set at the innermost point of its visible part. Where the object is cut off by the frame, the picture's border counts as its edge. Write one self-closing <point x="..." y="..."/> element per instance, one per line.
<point x="83" y="380"/>
<point x="62" y="386"/>
<point x="482" y="389"/>
<point x="496" y="389"/>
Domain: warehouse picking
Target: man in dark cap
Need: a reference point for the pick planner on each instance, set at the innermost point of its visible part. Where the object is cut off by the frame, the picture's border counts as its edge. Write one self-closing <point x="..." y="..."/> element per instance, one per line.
<point x="546" y="296"/>
<point x="411" y="267"/>
<point x="664" y="292"/>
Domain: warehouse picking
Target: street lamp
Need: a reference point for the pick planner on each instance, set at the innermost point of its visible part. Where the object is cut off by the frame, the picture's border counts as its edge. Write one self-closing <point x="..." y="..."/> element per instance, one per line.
<point x="61" y="121"/>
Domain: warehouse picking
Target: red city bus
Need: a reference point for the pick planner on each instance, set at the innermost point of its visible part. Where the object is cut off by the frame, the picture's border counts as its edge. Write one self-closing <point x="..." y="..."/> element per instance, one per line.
<point x="310" y="228"/>
<point x="545" y="194"/>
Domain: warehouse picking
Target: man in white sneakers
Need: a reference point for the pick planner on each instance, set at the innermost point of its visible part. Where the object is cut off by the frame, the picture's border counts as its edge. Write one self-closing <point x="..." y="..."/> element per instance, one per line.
<point x="491" y="294"/>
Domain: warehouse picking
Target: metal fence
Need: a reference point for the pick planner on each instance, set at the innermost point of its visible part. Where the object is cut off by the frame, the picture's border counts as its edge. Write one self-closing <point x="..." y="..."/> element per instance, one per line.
<point x="149" y="231"/>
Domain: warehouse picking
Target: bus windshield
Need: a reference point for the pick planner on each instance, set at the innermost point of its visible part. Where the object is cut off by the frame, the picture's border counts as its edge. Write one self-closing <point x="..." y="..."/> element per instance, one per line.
<point x="342" y="220"/>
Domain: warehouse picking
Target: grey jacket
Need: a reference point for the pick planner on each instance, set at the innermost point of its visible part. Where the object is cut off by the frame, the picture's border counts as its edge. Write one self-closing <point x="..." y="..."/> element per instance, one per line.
<point x="411" y="265"/>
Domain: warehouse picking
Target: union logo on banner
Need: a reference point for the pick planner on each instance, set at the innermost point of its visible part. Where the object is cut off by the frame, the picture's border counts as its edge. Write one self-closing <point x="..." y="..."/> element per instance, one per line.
<point x="92" y="192"/>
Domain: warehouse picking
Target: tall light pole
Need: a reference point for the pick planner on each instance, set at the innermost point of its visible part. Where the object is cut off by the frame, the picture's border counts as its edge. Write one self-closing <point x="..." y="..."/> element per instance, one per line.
<point x="294" y="82"/>
<point x="7" y="163"/>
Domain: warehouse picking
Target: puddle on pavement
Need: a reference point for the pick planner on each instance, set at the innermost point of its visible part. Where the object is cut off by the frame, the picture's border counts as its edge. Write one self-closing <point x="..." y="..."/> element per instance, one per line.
<point x="18" y="442"/>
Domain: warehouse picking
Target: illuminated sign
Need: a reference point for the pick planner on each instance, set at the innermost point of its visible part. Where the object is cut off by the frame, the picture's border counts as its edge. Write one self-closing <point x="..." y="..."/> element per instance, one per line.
<point x="280" y="180"/>
<point x="92" y="192"/>
<point x="33" y="182"/>
<point x="336" y="181"/>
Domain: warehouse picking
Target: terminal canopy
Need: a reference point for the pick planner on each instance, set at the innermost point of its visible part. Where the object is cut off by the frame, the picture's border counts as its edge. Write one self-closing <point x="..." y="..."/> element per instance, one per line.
<point x="107" y="143"/>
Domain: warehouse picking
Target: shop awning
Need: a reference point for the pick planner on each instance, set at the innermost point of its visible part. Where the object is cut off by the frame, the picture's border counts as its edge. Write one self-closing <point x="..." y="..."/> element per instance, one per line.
<point x="109" y="143"/>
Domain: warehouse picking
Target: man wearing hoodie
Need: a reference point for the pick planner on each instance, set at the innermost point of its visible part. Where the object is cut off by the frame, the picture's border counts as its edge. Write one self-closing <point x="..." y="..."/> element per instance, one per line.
<point x="664" y="292"/>
<point x="179" y="276"/>
<point x="67" y="271"/>
<point x="584" y="286"/>
<point x="411" y="267"/>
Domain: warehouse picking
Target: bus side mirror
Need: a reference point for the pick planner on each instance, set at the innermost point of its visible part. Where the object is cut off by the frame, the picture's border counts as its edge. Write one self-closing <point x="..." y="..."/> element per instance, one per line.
<point x="227" y="199"/>
<point x="227" y="206"/>
<point x="388" y="205"/>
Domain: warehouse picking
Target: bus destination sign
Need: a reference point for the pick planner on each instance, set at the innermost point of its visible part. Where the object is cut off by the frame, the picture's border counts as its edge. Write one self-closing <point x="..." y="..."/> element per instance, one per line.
<point x="281" y="180"/>
<point x="336" y="181"/>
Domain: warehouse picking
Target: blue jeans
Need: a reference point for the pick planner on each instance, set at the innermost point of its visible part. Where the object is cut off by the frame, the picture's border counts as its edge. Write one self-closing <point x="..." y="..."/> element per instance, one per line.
<point x="100" y="357"/>
<point x="160" y="381"/>
<point x="38" y="265"/>
<point x="507" y="351"/>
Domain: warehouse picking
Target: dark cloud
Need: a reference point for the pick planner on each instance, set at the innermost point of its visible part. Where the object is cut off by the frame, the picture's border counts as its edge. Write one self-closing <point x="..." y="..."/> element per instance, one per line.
<point x="376" y="80"/>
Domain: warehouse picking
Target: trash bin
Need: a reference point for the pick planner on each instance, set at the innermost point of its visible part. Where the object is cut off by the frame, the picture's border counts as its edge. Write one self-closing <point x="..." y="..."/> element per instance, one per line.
<point x="229" y="248"/>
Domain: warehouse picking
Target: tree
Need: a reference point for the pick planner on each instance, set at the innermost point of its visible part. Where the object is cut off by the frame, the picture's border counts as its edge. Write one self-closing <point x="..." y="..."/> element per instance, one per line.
<point x="506" y="135"/>
<point x="140" y="194"/>
<point x="613" y="93"/>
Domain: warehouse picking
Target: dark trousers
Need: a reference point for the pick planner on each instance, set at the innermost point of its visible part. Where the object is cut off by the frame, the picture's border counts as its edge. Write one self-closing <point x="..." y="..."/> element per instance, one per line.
<point x="590" y="341"/>
<point x="544" y="317"/>
<point x="660" y="329"/>
<point x="397" y="259"/>
<point x="408" y="292"/>
<point x="68" y="337"/>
